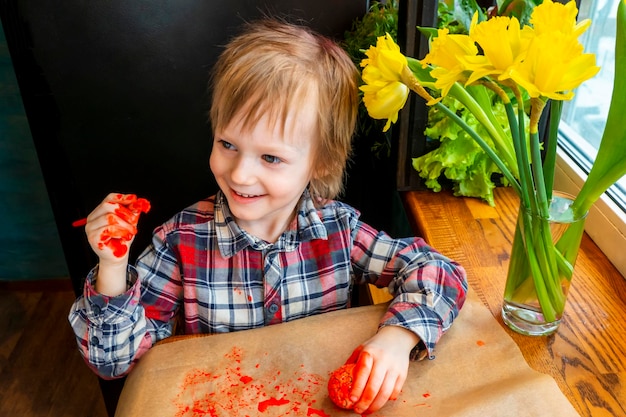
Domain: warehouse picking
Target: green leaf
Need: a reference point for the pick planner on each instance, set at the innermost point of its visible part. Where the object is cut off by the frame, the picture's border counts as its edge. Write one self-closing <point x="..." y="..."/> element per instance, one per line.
<point x="464" y="10"/>
<point x="458" y="157"/>
<point x="428" y="31"/>
<point x="610" y="163"/>
<point x="521" y="9"/>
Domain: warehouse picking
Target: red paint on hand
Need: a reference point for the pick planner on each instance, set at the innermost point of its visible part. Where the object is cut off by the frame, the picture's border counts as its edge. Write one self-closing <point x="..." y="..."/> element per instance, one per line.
<point x="116" y="237"/>
<point x="340" y="385"/>
<point x="140" y="205"/>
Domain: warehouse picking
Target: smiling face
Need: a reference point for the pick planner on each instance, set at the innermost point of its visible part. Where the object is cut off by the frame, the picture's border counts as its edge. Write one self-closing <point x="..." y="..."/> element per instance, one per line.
<point x="263" y="169"/>
<point x="273" y="67"/>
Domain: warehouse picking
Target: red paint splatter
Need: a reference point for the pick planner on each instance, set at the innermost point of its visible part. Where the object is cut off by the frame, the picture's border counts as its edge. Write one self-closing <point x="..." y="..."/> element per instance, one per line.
<point x="316" y="412"/>
<point x="480" y="343"/>
<point x="234" y="355"/>
<point x="264" y="405"/>
<point x="426" y="394"/>
<point x="232" y="391"/>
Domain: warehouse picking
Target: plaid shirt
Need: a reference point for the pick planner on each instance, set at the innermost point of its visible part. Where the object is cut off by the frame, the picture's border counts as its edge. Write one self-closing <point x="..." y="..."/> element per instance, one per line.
<point x="226" y="280"/>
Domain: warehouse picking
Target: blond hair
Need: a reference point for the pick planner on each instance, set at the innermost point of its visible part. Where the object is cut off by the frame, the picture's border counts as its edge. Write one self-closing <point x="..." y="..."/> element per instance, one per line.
<point x="270" y="69"/>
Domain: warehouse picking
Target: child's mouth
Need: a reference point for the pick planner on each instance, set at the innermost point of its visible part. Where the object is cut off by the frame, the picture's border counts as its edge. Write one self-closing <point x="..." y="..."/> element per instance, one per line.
<point x="245" y="195"/>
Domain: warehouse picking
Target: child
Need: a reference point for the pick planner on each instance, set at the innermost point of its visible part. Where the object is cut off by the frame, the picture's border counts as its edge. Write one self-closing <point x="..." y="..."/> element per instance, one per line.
<point x="272" y="245"/>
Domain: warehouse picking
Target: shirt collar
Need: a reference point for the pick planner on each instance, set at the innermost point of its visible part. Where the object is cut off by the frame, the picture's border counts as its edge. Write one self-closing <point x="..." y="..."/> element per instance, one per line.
<point x="231" y="238"/>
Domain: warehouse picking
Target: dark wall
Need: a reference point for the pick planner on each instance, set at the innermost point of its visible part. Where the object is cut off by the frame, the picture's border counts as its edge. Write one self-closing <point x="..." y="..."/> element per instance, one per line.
<point x="29" y="243"/>
<point x="116" y="97"/>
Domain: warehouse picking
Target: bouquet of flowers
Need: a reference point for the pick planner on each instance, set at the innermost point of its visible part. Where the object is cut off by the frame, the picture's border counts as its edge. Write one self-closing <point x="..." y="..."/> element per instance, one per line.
<point x="524" y="67"/>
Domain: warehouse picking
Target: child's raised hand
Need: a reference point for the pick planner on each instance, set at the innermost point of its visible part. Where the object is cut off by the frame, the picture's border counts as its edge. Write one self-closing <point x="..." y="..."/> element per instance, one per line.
<point x="112" y="226"/>
<point x="382" y="364"/>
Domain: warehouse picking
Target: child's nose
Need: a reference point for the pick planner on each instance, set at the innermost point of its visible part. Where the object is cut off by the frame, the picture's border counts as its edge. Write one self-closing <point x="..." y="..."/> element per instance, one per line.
<point x="243" y="171"/>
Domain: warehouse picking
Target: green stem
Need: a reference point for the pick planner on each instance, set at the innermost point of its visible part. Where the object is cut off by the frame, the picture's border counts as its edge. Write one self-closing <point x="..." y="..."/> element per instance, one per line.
<point x="544" y="244"/>
<point x="549" y="161"/>
<point x="534" y="250"/>
<point x="504" y="145"/>
<point x="521" y="149"/>
<point x="517" y="145"/>
<point x="498" y="135"/>
<point x="537" y="172"/>
<point x="503" y="168"/>
<point x="540" y="251"/>
<point x="568" y="245"/>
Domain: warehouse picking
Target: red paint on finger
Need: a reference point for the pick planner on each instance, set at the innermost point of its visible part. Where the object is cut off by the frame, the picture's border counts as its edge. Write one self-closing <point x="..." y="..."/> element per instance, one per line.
<point x="116" y="232"/>
<point x="141" y="205"/>
<point x="127" y="215"/>
<point x="130" y="209"/>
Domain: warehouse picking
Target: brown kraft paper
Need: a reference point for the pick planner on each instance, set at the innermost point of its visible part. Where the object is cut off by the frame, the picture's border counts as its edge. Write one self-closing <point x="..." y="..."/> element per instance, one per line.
<point x="283" y="370"/>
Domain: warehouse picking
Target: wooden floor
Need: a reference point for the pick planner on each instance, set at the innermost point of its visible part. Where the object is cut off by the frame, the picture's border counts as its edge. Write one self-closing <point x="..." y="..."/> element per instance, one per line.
<point x="41" y="371"/>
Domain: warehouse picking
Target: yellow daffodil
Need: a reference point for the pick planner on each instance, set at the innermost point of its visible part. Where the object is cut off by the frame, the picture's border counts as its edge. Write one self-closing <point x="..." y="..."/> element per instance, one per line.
<point x="447" y="55"/>
<point x="501" y="43"/>
<point x="386" y="101"/>
<point x="384" y="92"/>
<point x="553" y="66"/>
<point x="386" y="57"/>
<point x="552" y="16"/>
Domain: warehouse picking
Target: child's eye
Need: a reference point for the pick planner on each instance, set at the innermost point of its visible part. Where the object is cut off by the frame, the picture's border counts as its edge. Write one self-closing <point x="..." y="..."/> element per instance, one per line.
<point x="271" y="159"/>
<point x="226" y="145"/>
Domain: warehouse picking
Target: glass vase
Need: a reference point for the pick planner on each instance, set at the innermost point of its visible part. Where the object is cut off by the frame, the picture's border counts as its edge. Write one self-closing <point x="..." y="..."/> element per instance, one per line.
<point x="541" y="266"/>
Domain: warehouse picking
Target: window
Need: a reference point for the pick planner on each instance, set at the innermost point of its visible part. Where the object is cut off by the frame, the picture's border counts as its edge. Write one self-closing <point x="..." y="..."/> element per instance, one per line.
<point x="582" y="124"/>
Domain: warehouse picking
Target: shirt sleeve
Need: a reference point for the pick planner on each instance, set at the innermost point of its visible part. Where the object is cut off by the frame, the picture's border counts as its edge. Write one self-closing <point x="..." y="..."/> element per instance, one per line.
<point x="110" y="331"/>
<point x="429" y="289"/>
<point x="114" y="332"/>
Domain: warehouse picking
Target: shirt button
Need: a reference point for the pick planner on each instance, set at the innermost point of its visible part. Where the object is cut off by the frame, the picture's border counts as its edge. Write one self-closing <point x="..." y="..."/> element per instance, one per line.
<point x="96" y="309"/>
<point x="95" y="340"/>
<point x="273" y="308"/>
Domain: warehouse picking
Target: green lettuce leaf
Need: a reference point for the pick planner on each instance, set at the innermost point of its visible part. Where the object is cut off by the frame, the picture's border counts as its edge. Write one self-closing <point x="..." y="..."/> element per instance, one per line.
<point x="458" y="158"/>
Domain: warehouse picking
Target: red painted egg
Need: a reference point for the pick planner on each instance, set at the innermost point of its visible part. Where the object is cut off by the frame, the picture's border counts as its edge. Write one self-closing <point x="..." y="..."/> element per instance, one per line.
<point x="340" y="385"/>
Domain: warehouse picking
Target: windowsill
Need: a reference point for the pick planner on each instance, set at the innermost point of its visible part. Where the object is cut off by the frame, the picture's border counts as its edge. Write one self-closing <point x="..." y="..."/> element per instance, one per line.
<point x="582" y="355"/>
<point x="606" y="223"/>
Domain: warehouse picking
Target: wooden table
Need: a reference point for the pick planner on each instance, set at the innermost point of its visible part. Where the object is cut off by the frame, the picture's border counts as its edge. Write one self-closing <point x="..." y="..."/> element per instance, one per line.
<point x="587" y="356"/>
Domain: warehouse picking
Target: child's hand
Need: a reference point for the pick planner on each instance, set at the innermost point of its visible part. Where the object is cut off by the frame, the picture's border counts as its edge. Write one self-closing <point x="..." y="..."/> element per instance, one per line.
<point x="382" y="364"/>
<point x="111" y="227"/>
